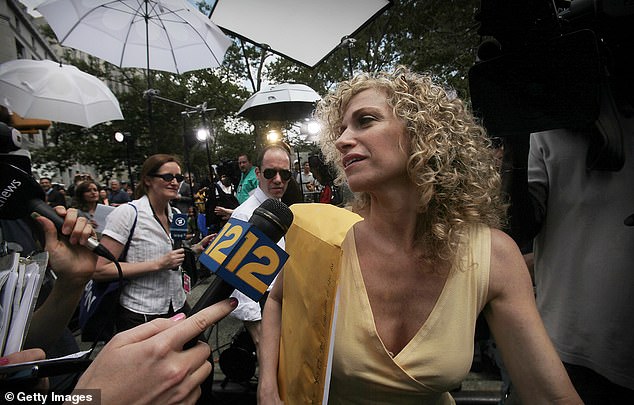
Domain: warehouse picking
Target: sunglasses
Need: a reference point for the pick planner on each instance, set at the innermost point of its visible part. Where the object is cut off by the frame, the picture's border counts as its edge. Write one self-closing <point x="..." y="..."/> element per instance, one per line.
<point x="285" y="175"/>
<point x="168" y="177"/>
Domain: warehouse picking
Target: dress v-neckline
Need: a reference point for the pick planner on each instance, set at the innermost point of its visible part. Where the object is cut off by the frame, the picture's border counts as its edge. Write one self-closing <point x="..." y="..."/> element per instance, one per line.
<point x="368" y="314"/>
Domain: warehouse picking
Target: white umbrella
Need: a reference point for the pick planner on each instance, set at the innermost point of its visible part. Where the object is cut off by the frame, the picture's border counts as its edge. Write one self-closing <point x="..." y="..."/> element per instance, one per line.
<point x="305" y="31"/>
<point x="49" y="90"/>
<point x="282" y="102"/>
<point x="167" y="35"/>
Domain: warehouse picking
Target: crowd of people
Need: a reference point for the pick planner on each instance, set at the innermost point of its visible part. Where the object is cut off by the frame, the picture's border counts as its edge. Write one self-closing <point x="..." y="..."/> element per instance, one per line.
<point x="379" y="300"/>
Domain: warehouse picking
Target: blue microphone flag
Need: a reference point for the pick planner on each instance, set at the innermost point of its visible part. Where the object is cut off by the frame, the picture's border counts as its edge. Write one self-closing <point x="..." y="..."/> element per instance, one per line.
<point x="178" y="227"/>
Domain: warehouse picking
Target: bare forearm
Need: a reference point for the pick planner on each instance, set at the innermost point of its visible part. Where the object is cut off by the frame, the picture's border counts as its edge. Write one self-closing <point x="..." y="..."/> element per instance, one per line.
<point x="270" y="347"/>
<point x="108" y="271"/>
<point x="50" y="320"/>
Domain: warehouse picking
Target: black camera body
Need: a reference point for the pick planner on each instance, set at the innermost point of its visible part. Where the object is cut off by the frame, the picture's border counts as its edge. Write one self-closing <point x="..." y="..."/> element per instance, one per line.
<point x="544" y="62"/>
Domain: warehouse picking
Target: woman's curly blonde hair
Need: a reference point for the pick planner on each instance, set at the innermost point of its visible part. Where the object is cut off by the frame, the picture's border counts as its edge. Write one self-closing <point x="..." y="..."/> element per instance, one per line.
<point x="451" y="161"/>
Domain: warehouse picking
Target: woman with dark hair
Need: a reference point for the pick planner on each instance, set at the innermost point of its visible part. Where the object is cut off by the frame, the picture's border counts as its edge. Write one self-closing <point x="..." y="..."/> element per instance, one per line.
<point x="152" y="266"/>
<point x="103" y="196"/>
<point x="87" y="198"/>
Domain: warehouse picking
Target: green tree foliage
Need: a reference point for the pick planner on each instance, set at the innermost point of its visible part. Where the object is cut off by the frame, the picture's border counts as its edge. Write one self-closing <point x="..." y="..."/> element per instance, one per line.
<point x="435" y="36"/>
<point x="173" y="120"/>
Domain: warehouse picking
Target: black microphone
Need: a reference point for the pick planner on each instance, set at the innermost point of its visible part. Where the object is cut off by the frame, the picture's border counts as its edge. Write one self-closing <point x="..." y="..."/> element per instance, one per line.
<point x="245" y="256"/>
<point x="20" y="195"/>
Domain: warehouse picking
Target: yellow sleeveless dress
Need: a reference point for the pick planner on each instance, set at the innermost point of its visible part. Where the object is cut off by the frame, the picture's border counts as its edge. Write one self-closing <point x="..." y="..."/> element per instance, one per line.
<point x="437" y="358"/>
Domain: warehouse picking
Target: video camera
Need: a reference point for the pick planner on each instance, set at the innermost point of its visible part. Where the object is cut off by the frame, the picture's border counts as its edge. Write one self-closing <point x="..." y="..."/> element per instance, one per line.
<point x="11" y="151"/>
<point x="553" y="64"/>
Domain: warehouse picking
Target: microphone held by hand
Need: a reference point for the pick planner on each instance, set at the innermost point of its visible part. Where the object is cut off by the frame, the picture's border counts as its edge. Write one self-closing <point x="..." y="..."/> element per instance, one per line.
<point x="20" y="195"/>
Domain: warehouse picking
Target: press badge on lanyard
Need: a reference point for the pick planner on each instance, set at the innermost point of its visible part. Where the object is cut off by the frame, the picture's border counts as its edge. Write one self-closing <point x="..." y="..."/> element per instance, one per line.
<point x="187" y="282"/>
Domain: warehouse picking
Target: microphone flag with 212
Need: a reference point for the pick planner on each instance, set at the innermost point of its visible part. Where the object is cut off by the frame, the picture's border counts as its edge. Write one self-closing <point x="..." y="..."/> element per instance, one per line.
<point x="245" y="255"/>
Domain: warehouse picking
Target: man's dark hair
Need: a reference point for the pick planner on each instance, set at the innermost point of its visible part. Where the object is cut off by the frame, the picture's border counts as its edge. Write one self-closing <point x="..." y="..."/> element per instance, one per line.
<point x="280" y="146"/>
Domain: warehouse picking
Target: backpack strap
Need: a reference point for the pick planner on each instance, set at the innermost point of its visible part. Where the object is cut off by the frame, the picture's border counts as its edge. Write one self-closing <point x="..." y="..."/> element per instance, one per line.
<point x="124" y="254"/>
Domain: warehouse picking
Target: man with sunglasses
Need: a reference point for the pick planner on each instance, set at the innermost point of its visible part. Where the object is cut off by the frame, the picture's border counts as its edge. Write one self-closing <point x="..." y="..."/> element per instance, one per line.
<point x="273" y="173"/>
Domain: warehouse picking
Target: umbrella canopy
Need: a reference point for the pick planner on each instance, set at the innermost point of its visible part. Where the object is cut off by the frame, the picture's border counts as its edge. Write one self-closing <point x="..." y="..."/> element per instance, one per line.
<point x="48" y="90"/>
<point x="282" y="102"/>
<point x="305" y="31"/>
<point x="167" y="35"/>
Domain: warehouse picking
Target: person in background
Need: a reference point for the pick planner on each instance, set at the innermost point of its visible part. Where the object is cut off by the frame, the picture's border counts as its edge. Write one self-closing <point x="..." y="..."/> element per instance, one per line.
<point x="306" y="179"/>
<point x="584" y="253"/>
<point x="87" y="197"/>
<point x="117" y="196"/>
<point x="296" y="169"/>
<point x="128" y="189"/>
<point x="79" y="177"/>
<point x="184" y="200"/>
<point x="225" y="185"/>
<point x="103" y="196"/>
<point x="62" y="190"/>
<point x="53" y="196"/>
<point x="423" y="257"/>
<point x="153" y="265"/>
<point x="248" y="179"/>
<point x="324" y="178"/>
<point x="273" y="174"/>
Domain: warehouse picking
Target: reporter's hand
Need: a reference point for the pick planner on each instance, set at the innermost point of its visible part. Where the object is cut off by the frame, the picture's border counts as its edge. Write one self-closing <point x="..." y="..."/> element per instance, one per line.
<point x="70" y="261"/>
<point x="23" y="357"/>
<point x="172" y="260"/>
<point x="147" y="364"/>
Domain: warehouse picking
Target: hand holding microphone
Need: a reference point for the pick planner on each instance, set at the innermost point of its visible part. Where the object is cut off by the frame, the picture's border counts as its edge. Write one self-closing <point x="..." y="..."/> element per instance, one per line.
<point x="21" y="195"/>
<point x="69" y="263"/>
<point x="172" y="260"/>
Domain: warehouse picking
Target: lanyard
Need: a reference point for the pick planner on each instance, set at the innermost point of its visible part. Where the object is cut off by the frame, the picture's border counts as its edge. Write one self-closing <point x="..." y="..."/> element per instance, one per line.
<point x="160" y="223"/>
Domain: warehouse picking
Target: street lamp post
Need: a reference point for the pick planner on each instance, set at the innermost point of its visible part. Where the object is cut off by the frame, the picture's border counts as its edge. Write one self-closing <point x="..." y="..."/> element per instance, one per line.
<point x="121" y="137"/>
<point x="203" y="134"/>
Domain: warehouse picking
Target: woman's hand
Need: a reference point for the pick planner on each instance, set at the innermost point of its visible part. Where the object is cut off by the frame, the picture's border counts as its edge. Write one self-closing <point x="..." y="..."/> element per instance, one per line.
<point x="172" y="259"/>
<point x="152" y="357"/>
<point x="23" y="357"/>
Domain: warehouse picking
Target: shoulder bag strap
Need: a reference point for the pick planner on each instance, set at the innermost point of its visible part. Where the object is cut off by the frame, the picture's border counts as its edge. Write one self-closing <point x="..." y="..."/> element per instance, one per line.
<point x="124" y="254"/>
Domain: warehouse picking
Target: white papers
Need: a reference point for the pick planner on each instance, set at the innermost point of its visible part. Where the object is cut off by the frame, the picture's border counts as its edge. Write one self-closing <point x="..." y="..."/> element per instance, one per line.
<point x="18" y="297"/>
<point x="101" y="212"/>
<point x="9" y="277"/>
